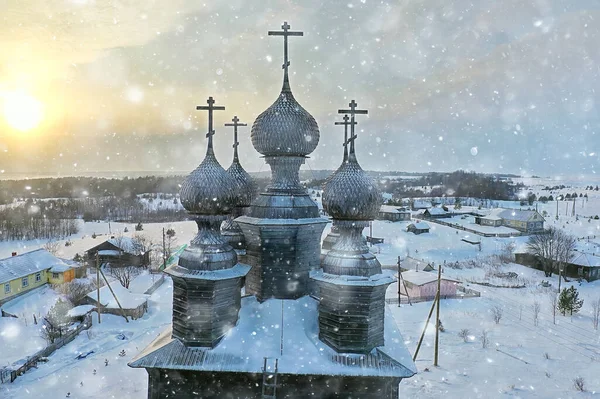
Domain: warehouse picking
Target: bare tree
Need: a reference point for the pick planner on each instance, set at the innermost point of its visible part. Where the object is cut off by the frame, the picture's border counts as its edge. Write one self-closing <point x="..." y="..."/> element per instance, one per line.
<point x="464" y="334"/>
<point x="497" y="313"/>
<point x="485" y="339"/>
<point x="596" y="313"/>
<point x="125" y="274"/>
<point x="553" y="248"/>
<point x="144" y="244"/>
<point x="579" y="384"/>
<point x="536" y="312"/>
<point x="52" y="246"/>
<point x="76" y="290"/>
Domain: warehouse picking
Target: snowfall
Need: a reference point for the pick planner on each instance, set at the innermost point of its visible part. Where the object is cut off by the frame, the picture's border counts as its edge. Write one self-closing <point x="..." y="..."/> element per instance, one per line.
<point x="522" y="360"/>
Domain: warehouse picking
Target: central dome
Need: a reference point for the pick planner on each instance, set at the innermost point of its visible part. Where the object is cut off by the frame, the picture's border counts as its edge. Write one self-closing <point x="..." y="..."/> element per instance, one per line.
<point x="285" y="128"/>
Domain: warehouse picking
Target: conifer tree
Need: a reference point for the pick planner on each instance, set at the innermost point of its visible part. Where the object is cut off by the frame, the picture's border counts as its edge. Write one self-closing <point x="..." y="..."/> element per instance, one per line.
<point x="569" y="301"/>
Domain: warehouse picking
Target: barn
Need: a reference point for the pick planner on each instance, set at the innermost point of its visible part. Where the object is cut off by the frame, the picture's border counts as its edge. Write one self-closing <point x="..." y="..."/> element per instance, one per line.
<point x="418" y="228"/>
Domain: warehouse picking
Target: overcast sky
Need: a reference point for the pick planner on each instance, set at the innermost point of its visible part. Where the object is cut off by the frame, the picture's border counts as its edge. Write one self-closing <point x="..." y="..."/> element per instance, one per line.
<point x="492" y="86"/>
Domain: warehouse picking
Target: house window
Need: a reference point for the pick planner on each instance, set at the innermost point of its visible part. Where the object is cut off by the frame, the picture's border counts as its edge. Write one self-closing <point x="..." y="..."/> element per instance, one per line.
<point x="55" y="276"/>
<point x="38" y="277"/>
<point x="25" y="281"/>
<point x="7" y="288"/>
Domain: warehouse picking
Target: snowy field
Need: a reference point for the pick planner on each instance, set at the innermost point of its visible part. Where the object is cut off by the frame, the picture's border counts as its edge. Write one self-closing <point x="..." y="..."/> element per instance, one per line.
<point x="522" y="360"/>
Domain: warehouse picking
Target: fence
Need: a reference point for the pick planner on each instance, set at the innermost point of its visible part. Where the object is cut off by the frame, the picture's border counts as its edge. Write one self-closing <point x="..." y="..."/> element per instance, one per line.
<point x="462" y="294"/>
<point x="7" y="375"/>
<point x="460" y="227"/>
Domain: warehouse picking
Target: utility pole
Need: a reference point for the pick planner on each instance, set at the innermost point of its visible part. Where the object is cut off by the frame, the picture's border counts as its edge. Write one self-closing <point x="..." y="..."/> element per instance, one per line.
<point x="435" y="301"/>
<point x="557" y="207"/>
<point x="401" y="279"/>
<point x="164" y="251"/>
<point x="559" y="275"/>
<point x="437" y="317"/>
<point x="98" y="285"/>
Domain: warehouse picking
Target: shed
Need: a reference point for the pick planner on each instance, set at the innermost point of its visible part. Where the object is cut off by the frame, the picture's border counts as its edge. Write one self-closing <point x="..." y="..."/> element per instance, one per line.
<point x="418" y="228"/>
<point x="423" y="285"/>
<point x="134" y="305"/>
<point x="436" y="213"/>
<point x="125" y="251"/>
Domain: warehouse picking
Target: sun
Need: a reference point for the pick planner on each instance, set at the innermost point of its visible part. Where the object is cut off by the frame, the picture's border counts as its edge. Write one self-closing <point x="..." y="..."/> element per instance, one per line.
<point x="22" y="111"/>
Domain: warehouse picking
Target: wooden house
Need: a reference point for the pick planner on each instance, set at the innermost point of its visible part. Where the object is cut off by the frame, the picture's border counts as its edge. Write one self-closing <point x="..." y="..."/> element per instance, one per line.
<point x="423" y="285"/>
<point x="393" y="213"/>
<point x="120" y="251"/>
<point x="436" y="213"/>
<point x="22" y="273"/>
<point x="525" y="221"/>
<point x="418" y="228"/>
<point x="585" y="266"/>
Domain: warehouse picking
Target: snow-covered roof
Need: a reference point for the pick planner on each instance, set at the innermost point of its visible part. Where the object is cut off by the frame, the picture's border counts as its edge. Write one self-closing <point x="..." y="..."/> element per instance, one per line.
<point x="109" y="252"/>
<point x="61" y="268"/>
<point x="436" y="211"/>
<point x="80" y="310"/>
<point x="257" y="335"/>
<point x="25" y="264"/>
<point x="388" y="209"/>
<point x="127" y="244"/>
<point x="127" y="299"/>
<point x="421" y="278"/>
<point x="419" y="225"/>
<point x="586" y="260"/>
<point x="421" y="204"/>
<point x="518" y="214"/>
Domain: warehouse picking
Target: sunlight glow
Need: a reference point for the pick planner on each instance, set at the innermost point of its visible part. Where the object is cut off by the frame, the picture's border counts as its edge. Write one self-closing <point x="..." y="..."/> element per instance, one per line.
<point x="21" y="110"/>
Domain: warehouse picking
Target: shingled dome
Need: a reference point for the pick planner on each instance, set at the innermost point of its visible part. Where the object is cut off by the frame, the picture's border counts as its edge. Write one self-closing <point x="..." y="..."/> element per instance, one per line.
<point x="209" y="189"/>
<point x="285" y="128"/>
<point x="350" y="194"/>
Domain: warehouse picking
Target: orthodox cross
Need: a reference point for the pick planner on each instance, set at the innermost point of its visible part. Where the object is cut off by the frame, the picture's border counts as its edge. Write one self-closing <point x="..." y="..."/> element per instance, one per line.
<point x="346" y="123"/>
<point x="286" y="32"/>
<point x="352" y="111"/>
<point x="210" y="108"/>
<point x="235" y="125"/>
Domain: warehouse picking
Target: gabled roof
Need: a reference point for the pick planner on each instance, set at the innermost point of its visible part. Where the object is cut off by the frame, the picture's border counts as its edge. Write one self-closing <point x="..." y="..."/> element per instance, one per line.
<point x="586" y="260"/>
<point x="518" y="214"/>
<point x="257" y="335"/>
<point x="422" y="277"/>
<point x="388" y="209"/>
<point x="26" y="264"/>
<point x="419" y="225"/>
<point x="436" y="211"/>
<point x="128" y="245"/>
<point x="127" y="299"/>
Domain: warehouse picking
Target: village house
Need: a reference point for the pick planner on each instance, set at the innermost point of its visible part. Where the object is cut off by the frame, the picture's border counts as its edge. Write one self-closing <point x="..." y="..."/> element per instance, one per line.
<point x="418" y="205"/>
<point x="525" y="221"/>
<point x="418" y="228"/>
<point x="120" y="251"/>
<point x="423" y="285"/>
<point x="393" y="213"/>
<point x="22" y="273"/>
<point x="583" y="265"/>
<point x="436" y="213"/>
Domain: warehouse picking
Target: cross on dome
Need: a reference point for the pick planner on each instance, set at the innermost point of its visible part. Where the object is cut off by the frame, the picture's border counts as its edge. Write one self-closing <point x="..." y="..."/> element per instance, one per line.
<point x="346" y="123"/>
<point x="352" y="111"/>
<point x="286" y="63"/>
<point x="235" y="125"/>
<point x="210" y="108"/>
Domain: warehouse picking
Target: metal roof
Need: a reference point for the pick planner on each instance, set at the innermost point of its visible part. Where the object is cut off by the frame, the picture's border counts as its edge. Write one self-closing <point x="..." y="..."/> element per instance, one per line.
<point x="257" y="335"/>
<point x="26" y="264"/>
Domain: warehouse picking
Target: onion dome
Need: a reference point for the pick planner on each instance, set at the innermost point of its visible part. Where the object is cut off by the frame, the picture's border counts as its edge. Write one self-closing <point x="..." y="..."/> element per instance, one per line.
<point x="244" y="184"/>
<point x="350" y="194"/>
<point x="285" y="128"/>
<point x="209" y="189"/>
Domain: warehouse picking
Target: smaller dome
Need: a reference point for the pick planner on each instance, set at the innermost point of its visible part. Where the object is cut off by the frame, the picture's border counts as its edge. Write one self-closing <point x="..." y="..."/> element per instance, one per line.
<point x="285" y="128"/>
<point x="245" y="186"/>
<point x="350" y="194"/>
<point x="209" y="189"/>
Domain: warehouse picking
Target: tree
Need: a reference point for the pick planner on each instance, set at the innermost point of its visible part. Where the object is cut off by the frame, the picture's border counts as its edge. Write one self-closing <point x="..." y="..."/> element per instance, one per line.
<point x="531" y="197"/>
<point x="568" y="301"/>
<point x="553" y="304"/>
<point x="536" y="312"/>
<point x="497" y="313"/>
<point x="457" y="204"/>
<point x="125" y="274"/>
<point x="553" y="248"/>
<point x="56" y="321"/>
<point x="139" y="227"/>
<point x="52" y="246"/>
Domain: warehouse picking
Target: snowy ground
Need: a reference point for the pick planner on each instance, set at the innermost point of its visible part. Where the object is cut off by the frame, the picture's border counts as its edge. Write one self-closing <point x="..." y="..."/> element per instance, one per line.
<point x="515" y="363"/>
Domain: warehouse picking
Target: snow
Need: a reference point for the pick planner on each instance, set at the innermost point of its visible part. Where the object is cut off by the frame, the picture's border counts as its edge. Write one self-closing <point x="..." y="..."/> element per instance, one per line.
<point x="18" y="340"/>
<point x="127" y="299"/>
<point x="143" y="282"/>
<point x="80" y="310"/>
<point x="421" y="277"/>
<point x="37" y="301"/>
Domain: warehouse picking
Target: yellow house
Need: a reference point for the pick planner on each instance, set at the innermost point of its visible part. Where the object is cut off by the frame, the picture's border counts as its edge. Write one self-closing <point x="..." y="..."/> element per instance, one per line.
<point x="21" y="273"/>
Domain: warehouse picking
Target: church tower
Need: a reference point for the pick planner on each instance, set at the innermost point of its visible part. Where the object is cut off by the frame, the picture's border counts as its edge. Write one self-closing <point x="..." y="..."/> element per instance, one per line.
<point x="283" y="227"/>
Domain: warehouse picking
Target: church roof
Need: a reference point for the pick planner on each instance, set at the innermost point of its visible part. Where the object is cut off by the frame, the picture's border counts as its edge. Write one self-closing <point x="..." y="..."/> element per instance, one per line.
<point x="258" y="335"/>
